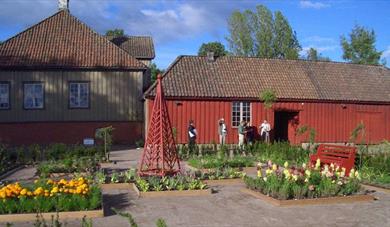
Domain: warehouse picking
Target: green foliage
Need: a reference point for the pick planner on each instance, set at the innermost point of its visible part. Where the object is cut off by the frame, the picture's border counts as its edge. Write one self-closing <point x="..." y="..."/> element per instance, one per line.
<point x="268" y="97"/>
<point x="178" y="182"/>
<point x="360" y="48"/>
<point x="63" y="202"/>
<point x="261" y="34"/>
<point x="68" y="165"/>
<point x="358" y="130"/>
<point x="105" y="134"/>
<point x="212" y="161"/>
<point x="223" y="173"/>
<point x="115" y="32"/>
<point x="161" y="223"/>
<point x="279" y="152"/>
<point x="301" y="183"/>
<point x="139" y="143"/>
<point x="312" y="55"/>
<point x="128" y="216"/>
<point x="154" y="71"/>
<point x="216" y="47"/>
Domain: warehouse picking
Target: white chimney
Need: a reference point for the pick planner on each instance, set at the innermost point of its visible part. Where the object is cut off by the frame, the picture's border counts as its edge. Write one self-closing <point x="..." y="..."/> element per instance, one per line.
<point x="210" y="56"/>
<point x="63" y="4"/>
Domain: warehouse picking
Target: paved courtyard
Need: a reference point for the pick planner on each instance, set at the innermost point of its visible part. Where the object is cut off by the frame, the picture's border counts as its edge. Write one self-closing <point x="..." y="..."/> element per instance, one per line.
<point x="228" y="207"/>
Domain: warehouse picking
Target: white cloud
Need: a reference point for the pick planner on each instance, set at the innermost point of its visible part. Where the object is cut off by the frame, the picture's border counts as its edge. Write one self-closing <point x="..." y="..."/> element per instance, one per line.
<point x="386" y="53"/>
<point x="313" y="5"/>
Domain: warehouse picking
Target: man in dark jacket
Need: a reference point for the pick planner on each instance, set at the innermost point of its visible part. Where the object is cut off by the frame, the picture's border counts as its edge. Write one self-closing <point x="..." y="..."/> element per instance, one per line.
<point x="191" y="136"/>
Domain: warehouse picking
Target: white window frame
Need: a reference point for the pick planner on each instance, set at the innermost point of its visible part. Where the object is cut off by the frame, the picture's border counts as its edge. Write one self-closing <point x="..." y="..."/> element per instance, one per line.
<point x="5" y="96"/>
<point x="35" y="97"/>
<point x="241" y="104"/>
<point x="78" y="95"/>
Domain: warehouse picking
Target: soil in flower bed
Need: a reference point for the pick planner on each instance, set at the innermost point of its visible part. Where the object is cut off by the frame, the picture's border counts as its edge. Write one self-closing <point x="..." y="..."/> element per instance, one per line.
<point x="50" y="196"/>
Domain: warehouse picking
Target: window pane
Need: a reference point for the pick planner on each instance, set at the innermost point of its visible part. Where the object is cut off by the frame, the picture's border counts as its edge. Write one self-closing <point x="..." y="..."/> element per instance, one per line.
<point x="79" y="95"/>
<point x="33" y="96"/>
<point x="4" y="96"/>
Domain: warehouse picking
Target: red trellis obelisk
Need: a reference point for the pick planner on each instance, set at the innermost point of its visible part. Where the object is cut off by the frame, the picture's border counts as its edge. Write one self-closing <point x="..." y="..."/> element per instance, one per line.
<point x="159" y="157"/>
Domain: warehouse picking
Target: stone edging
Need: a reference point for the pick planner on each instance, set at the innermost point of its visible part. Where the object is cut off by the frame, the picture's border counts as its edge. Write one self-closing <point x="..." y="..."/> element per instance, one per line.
<point x="234" y="181"/>
<point x="153" y="194"/>
<point x="304" y="202"/>
<point x="379" y="189"/>
<point x="47" y="216"/>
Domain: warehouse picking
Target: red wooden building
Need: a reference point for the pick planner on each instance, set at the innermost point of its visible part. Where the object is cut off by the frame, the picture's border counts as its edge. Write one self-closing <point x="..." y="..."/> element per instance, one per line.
<point x="333" y="98"/>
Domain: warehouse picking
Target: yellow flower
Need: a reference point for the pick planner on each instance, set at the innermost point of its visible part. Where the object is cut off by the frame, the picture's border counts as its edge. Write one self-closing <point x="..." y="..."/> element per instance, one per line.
<point x="285" y="164"/>
<point x="295" y="177"/>
<point x="274" y="167"/>
<point x="259" y="174"/>
<point x="49" y="181"/>
<point x="304" y="165"/>
<point x="36" y="181"/>
<point x="268" y="171"/>
<point x="54" y="190"/>
<point x="23" y="192"/>
<point x="307" y="172"/>
<point x="352" y="173"/>
<point x="3" y="195"/>
<point x="318" y="164"/>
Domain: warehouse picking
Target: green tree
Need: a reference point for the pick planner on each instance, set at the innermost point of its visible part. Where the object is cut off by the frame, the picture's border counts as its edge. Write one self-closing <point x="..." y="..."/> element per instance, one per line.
<point x="216" y="47"/>
<point x="154" y="71"/>
<point x="360" y="48"/>
<point x="240" y="40"/>
<point x="312" y="55"/>
<point x="262" y="34"/>
<point x="115" y="32"/>
<point x="285" y="45"/>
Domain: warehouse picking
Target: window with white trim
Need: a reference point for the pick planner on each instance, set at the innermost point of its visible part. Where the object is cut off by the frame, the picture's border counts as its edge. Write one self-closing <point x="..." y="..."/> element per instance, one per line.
<point x="33" y="95"/>
<point x="241" y="111"/>
<point x="78" y="95"/>
<point x="4" y="95"/>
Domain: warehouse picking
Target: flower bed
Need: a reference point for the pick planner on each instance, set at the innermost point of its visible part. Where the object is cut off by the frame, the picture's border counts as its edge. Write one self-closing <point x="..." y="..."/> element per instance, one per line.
<point x="49" y="196"/>
<point x="212" y="161"/>
<point x="224" y="176"/>
<point x="304" y="183"/>
<point x="170" y="186"/>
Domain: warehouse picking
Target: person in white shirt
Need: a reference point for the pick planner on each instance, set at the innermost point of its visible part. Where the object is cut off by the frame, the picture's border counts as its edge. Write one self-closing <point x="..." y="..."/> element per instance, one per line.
<point x="222" y="131"/>
<point x="265" y="128"/>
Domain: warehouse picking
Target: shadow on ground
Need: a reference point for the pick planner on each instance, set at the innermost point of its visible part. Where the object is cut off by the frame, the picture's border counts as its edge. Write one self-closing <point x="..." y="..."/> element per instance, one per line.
<point x="118" y="201"/>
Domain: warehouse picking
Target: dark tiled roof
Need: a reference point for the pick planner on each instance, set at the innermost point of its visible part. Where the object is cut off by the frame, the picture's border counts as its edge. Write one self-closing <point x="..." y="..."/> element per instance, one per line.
<point x="140" y="47"/>
<point x="240" y="77"/>
<point x="63" y="42"/>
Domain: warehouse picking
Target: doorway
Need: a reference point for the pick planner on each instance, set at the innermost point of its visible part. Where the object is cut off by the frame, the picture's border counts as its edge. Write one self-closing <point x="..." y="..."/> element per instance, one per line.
<point x="285" y="126"/>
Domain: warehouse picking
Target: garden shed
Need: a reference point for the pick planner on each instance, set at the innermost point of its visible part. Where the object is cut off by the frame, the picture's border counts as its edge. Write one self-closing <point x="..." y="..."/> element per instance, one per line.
<point x="330" y="97"/>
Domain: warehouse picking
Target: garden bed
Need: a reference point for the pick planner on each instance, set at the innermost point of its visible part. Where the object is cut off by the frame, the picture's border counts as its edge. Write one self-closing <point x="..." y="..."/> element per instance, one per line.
<point x="173" y="193"/>
<point x="304" y="202"/>
<point x="76" y="195"/>
<point x="48" y="216"/>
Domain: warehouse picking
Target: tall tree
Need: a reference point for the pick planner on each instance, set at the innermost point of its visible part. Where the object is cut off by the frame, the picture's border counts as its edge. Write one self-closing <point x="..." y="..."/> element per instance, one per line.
<point x="154" y="71"/>
<point x="115" y="32"/>
<point x="360" y="48"/>
<point x="262" y="34"/>
<point x="240" y="40"/>
<point x="313" y="55"/>
<point x="216" y="47"/>
<point x="286" y="45"/>
<point x="263" y="30"/>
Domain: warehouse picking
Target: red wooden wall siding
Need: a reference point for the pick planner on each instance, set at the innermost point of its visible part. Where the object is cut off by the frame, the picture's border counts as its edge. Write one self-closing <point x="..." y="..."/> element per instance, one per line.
<point x="333" y="122"/>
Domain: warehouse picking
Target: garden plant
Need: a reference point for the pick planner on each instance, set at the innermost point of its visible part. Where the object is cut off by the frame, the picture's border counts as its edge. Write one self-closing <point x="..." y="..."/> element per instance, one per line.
<point x="49" y="196"/>
<point x="304" y="182"/>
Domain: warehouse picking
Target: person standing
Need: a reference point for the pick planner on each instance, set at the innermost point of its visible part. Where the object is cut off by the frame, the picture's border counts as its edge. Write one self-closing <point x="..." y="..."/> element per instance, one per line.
<point x="250" y="133"/>
<point x="191" y="136"/>
<point x="222" y="131"/>
<point x="241" y="134"/>
<point x="265" y="129"/>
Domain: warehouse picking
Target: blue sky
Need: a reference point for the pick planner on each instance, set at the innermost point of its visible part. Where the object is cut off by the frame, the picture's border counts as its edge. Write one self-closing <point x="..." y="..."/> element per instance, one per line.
<point x="180" y="27"/>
